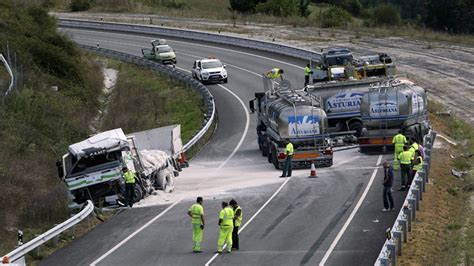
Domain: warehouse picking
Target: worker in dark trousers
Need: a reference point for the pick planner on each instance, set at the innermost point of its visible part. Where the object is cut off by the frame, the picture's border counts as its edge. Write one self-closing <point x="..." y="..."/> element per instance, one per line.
<point x="387" y="188"/>
<point x="307" y="74"/>
<point x="129" y="178"/>
<point x="405" y="166"/>
<point x="237" y="222"/>
<point x="289" y="156"/>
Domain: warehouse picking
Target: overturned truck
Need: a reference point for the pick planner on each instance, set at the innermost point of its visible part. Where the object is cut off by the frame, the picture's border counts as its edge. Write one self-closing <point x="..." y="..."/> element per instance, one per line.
<point x="92" y="169"/>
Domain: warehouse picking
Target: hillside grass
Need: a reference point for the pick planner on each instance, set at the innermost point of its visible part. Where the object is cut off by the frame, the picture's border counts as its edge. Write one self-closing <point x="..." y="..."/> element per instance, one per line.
<point x="219" y="10"/>
<point x="443" y="232"/>
<point x="143" y="99"/>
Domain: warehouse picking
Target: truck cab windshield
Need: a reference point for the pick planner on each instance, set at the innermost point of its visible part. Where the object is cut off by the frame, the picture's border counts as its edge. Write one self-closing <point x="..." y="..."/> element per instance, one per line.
<point x="90" y="162"/>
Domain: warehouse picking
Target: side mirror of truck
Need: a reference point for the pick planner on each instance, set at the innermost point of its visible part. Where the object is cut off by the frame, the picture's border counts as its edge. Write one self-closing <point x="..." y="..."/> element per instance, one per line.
<point x="59" y="165"/>
<point x="252" y="106"/>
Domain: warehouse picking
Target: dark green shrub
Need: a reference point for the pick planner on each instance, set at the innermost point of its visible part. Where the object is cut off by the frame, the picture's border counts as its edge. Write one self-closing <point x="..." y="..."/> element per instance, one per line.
<point x="386" y="14"/>
<point x="279" y="8"/>
<point x="80" y="5"/>
<point x="335" y="17"/>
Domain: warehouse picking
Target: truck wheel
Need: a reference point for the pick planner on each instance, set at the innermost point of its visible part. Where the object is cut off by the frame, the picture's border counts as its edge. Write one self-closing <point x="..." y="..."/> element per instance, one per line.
<point x="264" y="150"/>
<point x="270" y="155"/>
<point x="357" y="126"/>
<point x="275" y="161"/>
<point x="138" y="193"/>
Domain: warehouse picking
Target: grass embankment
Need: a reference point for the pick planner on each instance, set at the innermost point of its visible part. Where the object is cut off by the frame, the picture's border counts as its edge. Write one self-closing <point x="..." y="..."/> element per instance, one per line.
<point x="443" y="233"/>
<point x="37" y="122"/>
<point x="144" y="100"/>
<point x="199" y="9"/>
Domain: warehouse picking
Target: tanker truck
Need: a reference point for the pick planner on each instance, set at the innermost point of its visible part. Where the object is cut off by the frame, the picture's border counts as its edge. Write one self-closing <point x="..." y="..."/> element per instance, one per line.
<point x="341" y="102"/>
<point x="92" y="168"/>
<point x="284" y="114"/>
<point x="388" y="107"/>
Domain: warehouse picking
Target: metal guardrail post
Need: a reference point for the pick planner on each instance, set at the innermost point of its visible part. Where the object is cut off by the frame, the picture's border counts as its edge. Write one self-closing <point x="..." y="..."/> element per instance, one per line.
<point x="426" y="168"/>
<point x="397" y="235"/>
<point x="407" y="212"/>
<point x="391" y="247"/>
<point x="421" y="174"/>
<point x="403" y="223"/>
<point x="416" y="195"/>
<point x="412" y="203"/>
<point x="419" y="184"/>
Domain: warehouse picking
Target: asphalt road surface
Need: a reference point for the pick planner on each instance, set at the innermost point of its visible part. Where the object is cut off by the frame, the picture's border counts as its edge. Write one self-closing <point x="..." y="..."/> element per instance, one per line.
<point x="334" y="219"/>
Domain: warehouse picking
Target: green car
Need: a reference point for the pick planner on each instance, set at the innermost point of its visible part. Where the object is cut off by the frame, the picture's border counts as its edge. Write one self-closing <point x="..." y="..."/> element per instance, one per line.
<point x="161" y="52"/>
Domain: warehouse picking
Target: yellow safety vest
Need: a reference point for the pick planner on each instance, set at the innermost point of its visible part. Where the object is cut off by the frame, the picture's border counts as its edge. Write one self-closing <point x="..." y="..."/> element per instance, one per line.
<point x="415" y="146"/>
<point x="274" y="73"/>
<point x="196" y="211"/>
<point x="405" y="157"/>
<point x="399" y="140"/>
<point x="307" y="71"/>
<point x="289" y="149"/>
<point x="419" y="166"/>
<point x="238" y="219"/>
<point x="129" y="177"/>
<point x="227" y="216"/>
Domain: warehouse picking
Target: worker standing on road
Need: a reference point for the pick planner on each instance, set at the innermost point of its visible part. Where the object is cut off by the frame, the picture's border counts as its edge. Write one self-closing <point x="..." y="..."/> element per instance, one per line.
<point x="289" y="156"/>
<point x="398" y="141"/>
<point x="307" y="74"/>
<point x="237" y="222"/>
<point x="413" y="147"/>
<point x="275" y="73"/>
<point x="129" y="178"/>
<point x="196" y="212"/>
<point x="226" y="224"/>
<point x="387" y="188"/>
<point x="417" y="163"/>
<point x="405" y="166"/>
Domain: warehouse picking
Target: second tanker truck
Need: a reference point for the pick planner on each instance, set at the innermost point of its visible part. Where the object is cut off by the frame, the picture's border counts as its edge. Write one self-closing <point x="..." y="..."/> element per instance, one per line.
<point x="284" y="114"/>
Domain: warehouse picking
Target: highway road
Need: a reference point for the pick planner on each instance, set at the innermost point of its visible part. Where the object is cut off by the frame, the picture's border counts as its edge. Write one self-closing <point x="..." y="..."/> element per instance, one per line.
<point x="334" y="219"/>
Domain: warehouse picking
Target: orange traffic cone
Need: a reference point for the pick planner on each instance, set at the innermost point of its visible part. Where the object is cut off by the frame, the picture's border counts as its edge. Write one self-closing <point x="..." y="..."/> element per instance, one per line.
<point x="313" y="171"/>
<point x="5" y="260"/>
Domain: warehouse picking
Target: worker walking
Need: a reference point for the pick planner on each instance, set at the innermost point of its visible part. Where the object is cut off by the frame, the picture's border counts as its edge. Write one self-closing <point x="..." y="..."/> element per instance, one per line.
<point x="226" y="224"/>
<point x="289" y="156"/>
<point x="196" y="212"/>
<point x="129" y="178"/>
<point x="398" y="141"/>
<point x="275" y="73"/>
<point x="387" y="188"/>
<point x="237" y="222"/>
<point x="307" y="74"/>
<point x="405" y="166"/>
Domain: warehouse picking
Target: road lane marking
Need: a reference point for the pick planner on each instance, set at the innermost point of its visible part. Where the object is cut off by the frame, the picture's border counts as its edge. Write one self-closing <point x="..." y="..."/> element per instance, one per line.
<point x="351" y="216"/>
<point x="196" y="44"/>
<point x="253" y="216"/>
<point x="133" y="234"/>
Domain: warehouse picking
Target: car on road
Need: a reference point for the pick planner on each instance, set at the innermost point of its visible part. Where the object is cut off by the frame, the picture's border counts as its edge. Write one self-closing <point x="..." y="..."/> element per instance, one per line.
<point x="160" y="52"/>
<point x="209" y="70"/>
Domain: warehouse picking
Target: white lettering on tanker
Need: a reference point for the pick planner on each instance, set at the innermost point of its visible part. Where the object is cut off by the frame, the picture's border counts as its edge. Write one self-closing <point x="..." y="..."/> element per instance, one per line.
<point x="417" y="104"/>
<point x="344" y="102"/>
<point x="383" y="108"/>
<point x="303" y="125"/>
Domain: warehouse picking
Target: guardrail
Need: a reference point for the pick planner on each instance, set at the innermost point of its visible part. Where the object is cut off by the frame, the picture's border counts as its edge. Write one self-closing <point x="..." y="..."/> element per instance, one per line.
<point x="398" y="234"/>
<point x="22" y="250"/>
<point x="192" y="35"/>
<point x="173" y="74"/>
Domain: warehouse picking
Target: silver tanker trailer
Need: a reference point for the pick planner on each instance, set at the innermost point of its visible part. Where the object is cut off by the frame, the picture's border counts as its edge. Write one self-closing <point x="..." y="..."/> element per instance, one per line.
<point x="388" y="107"/>
<point x="286" y="114"/>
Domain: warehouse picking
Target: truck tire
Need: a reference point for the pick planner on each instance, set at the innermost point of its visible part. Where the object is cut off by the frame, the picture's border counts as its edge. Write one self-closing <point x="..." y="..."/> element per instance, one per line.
<point x="139" y="193"/>
<point x="275" y="161"/>
<point x="270" y="155"/>
<point x="357" y="126"/>
<point x="264" y="150"/>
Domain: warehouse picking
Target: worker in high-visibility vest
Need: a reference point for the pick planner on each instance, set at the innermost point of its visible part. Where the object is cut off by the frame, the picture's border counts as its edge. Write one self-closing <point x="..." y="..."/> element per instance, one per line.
<point x="129" y="178"/>
<point x="275" y="73"/>
<point x="413" y="147"/>
<point x="226" y="224"/>
<point x="417" y="163"/>
<point x="398" y="141"/>
<point x="289" y="156"/>
<point x="237" y="222"/>
<point x="307" y="74"/>
<point x="196" y="212"/>
<point x="405" y="166"/>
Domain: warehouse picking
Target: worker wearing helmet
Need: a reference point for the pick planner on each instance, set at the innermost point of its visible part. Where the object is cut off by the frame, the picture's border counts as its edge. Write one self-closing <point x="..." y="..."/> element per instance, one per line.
<point x="398" y="141"/>
<point x="307" y="74"/>
<point x="275" y="73"/>
<point x="289" y="156"/>
<point x="226" y="224"/>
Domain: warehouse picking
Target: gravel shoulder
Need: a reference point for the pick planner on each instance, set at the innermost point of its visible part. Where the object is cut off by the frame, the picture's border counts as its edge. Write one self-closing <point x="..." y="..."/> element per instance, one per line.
<point x="445" y="70"/>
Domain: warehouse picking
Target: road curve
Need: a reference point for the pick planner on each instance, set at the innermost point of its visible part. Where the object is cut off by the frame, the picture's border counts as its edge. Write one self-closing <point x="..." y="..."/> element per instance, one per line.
<point x="297" y="227"/>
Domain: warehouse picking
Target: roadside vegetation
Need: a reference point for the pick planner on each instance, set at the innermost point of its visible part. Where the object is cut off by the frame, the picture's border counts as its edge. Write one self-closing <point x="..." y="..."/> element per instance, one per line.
<point x="435" y="20"/>
<point x="144" y="100"/>
<point x="55" y="96"/>
<point x="443" y="233"/>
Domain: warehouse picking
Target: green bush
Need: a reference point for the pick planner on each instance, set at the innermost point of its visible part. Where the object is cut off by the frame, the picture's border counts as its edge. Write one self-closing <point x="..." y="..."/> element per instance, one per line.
<point x="335" y="17"/>
<point x="80" y="5"/>
<point x="279" y="8"/>
<point x="386" y="14"/>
